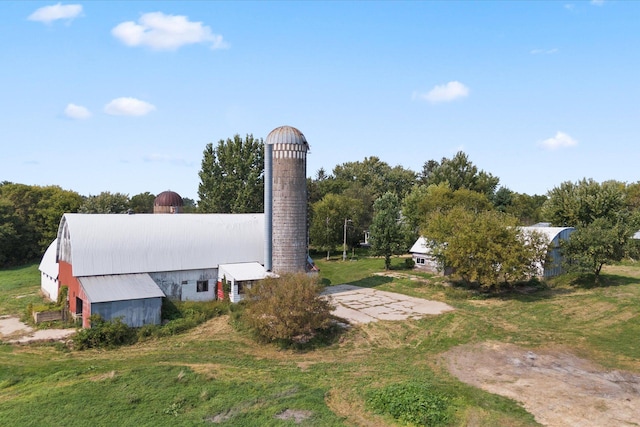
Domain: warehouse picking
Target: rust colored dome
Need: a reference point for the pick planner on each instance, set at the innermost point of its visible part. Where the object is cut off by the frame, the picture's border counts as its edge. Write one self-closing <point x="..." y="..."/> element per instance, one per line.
<point x="168" y="198"/>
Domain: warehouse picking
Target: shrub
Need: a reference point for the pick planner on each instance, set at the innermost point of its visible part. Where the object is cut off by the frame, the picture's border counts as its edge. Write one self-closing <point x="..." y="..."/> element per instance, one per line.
<point x="288" y="309"/>
<point x="413" y="402"/>
<point x="104" y="334"/>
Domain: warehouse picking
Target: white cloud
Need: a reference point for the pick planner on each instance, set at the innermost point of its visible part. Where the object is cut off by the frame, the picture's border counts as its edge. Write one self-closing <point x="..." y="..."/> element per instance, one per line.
<point x="544" y="51"/>
<point x="560" y="140"/>
<point x="597" y="2"/>
<point x="166" y="32"/>
<point x="128" y="107"/>
<point x="444" y="93"/>
<point x="77" y="112"/>
<point x="48" y="14"/>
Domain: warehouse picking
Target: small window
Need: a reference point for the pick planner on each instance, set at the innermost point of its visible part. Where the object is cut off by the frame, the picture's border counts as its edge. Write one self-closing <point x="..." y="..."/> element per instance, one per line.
<point x="202" y="286"/>
<point x="185" y="282"/>
<point x="243" y="286"/>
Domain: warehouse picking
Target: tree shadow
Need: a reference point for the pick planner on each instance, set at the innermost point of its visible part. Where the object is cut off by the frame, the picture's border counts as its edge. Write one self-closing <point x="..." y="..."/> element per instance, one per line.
<point x="588" y="281"/>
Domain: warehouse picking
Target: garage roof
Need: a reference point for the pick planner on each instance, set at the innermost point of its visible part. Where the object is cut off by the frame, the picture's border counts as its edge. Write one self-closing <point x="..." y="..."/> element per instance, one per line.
<point x="120" y="287"/>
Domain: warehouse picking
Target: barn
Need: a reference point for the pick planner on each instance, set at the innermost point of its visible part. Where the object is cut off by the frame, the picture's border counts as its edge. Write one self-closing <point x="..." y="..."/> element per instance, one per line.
<point x="421" y="253"/>
<point x="122" y="265"/>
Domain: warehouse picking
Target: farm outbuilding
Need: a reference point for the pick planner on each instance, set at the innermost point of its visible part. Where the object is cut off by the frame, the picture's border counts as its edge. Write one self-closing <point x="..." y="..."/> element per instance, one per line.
<point x="108" y="259"/>
<point x="552" y="266"/>
<point x="120" y="265"/>
<point x="240" y="277"/>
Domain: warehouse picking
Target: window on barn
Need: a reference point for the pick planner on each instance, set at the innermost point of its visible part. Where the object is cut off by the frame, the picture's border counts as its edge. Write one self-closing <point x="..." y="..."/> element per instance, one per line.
<point x="202" y="286"/>
<point x="185" y="282"/>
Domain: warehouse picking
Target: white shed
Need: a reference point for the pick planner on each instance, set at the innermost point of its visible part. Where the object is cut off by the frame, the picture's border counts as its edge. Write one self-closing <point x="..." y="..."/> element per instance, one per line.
<point x="240" y="277"/>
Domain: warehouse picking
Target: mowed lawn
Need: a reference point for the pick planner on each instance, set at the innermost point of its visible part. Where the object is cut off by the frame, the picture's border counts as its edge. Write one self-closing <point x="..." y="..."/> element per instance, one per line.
<point x="215" y="375"/>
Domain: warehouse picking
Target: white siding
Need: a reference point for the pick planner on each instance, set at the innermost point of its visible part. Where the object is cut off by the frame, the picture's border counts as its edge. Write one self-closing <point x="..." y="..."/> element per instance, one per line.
<point x="49" y="272"/>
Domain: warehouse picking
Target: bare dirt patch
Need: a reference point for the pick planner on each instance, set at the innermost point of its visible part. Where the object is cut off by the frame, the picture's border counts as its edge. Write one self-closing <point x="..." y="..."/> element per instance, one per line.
<point x="558" y="388"/>
<point x="14" y="331"/>
<point x="295" y="415"/>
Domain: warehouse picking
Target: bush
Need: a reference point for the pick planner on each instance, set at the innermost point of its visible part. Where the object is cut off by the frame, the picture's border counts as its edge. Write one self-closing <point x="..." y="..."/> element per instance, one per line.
<point x="288" y="309"/>
<point x="104" y="334"/>
<point x="412" y="402"/>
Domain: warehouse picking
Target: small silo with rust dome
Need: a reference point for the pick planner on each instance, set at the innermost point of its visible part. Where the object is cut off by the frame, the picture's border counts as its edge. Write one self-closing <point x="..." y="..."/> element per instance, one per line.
<point x="168" y="202"/>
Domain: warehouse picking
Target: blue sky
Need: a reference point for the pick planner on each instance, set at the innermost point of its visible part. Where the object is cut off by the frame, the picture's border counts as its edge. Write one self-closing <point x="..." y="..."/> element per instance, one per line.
<point x="124" y="96"/>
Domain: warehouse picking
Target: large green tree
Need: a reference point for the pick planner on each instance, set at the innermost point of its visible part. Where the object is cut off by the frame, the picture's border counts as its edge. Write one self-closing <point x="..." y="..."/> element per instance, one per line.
<point x="603" y="217"/>
<point x="423" y="200"/>
<point x="329" y="217"/>
<point x="142" y="203"/>
<point x="105" y="203"/>
<point x="232" y="176"/>
<point x="29" y="219"/>
<point x="603" y="241"/>
<point x="484" y="247"/>
<point x="387" y="232"/>
<point x="580" y="203"/>
<point x="459" y="172"/>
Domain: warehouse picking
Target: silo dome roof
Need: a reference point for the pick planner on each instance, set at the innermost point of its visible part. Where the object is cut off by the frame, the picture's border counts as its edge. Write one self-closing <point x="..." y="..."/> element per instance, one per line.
<point x="286" y="135"/>
<point x="168" y="198"/>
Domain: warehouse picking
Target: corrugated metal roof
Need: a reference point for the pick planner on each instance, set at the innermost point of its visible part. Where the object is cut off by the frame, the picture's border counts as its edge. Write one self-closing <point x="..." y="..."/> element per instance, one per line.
<point x="550" y="232"/>
<point x="48" y="264"/>
<point x="121" y="287"/>
<point x="286" y="135"/>
<point x="103" y="244"/>
<point x="244" y="271"/>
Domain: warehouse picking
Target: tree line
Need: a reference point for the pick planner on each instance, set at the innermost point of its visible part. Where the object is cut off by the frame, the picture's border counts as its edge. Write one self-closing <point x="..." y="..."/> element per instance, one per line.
<point x="30" y="215"/>
<point x="471" y="222"/>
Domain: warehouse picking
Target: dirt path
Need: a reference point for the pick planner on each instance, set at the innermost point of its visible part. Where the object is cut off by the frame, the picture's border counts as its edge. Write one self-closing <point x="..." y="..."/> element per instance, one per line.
<point x="558" y="388"/>
<point x="12" y="330"/>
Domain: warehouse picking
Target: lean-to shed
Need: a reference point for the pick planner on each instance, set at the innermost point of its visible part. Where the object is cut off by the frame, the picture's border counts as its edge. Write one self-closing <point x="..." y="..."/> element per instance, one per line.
<point x="240" y="277"/>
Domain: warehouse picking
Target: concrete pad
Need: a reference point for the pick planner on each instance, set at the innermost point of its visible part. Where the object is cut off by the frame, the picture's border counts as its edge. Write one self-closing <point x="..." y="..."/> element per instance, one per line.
<point x="364" y="305"/>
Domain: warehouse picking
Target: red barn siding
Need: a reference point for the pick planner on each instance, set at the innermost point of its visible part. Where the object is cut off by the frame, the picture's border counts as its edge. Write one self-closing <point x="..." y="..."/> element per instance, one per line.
<point x="67" y="278"/>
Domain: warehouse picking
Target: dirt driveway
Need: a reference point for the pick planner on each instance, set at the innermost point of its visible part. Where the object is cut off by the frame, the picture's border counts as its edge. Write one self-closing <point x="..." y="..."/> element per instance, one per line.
<point x="12" y="330"/>
<point x="558" y="388"/>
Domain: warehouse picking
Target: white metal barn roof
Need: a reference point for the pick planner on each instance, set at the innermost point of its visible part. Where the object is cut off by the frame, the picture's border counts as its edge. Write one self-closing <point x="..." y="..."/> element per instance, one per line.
<point x="120" y="287"/>
<point x="103" y="244"/>
<point x="48" y="264"/>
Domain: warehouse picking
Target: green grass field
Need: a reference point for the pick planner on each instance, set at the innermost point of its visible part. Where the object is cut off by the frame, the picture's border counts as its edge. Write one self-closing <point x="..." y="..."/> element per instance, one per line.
<point x="214" y="375"/>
